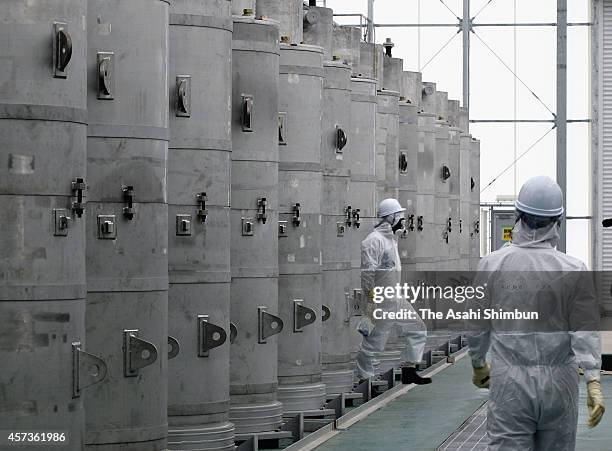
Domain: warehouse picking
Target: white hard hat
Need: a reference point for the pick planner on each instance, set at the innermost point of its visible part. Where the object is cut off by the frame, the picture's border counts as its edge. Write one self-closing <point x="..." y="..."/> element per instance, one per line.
<point x="388" y="207"/>
<point x="540" y="196"/>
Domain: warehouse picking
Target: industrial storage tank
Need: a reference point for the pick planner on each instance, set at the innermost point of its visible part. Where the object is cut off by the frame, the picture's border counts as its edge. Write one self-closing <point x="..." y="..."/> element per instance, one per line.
<point x="427" y="241"/>
<point x="318" y="28"/>
<point x="289" y="14"/>
<point x="199" y="225"/>
<point x="465" y="190"/>
<point x="254" y="226"/>
<point x="43" y="126"/>
<point x="299" y="286"/>
<point x="387" y="144"/>
<point x="127" y="223"/>
<point x="474" y="204"/>
<point x="456" y="225"/>
<point x="371" y="63"/>
<point x="346" y="45"/>
<point x="442" y="175"/>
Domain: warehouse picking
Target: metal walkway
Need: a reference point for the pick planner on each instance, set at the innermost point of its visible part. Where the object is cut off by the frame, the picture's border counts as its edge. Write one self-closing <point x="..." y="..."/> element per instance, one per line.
<point x="449" y="415"/>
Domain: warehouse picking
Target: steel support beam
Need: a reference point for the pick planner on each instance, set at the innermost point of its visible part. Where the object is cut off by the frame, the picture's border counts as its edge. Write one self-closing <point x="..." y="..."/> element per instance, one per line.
<point x="371" y="21"/>
<point x="562" y="110"/>
<point x="466" y="29"/>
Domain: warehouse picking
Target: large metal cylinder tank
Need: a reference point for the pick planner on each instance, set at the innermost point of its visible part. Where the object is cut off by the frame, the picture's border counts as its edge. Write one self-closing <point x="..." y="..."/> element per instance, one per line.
<point x="127" y="223"/>
<point x="43" y="117"/>
<point x="465" y="193"/>
<point x="290" y="15"/>
<point x="198" y="218"/>
<point x="456" y="225"/>
<point x="424" y="221"/>
<point x="442" y="175"/>
<point x="387" y="144"/>
<point x="392" y="73"/>
<point x="475" y="204"/>
<point x="362" y="165"/>
<point x="318" y="29"/>
<point x="346" y="45"/>
<point x="412" y="89"/>
<point x="299" y="228"/>
<point x="335" y="151"/>
<point x="371" y="64"/>
<point x="254" y="226"/>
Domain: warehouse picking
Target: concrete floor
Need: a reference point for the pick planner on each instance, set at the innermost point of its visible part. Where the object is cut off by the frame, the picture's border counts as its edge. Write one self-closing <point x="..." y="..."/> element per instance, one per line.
<point x="425" y="417"/>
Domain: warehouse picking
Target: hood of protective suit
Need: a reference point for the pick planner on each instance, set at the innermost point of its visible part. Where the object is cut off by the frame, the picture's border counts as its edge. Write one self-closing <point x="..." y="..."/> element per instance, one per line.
<point x="543" y="237"/>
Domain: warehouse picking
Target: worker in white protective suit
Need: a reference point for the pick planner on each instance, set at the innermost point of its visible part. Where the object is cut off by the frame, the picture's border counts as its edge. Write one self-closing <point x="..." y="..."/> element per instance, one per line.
<point x="381" y="267"/>
<point x="533" y="375"/>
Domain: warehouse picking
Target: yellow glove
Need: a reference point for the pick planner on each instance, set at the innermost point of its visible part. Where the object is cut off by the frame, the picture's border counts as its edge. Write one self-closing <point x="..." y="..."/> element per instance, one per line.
<point x="371" y="295"/>
<point x="595" y="403"/>
<point x="481" y="376"/>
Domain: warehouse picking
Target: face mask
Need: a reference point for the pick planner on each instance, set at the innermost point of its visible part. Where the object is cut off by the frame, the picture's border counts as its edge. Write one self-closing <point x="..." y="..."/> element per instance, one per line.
<point x="399" y="225"/>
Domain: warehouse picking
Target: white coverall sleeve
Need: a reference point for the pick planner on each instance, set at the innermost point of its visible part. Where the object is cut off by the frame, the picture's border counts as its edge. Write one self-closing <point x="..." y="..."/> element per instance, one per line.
<point x="584" y="326"/>
<point x="479" y="332"/>
<point x="371" y="252"/>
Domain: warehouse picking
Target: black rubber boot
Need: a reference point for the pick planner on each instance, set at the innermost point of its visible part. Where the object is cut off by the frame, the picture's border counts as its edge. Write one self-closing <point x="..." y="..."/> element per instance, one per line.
<point x="410" y="376"/>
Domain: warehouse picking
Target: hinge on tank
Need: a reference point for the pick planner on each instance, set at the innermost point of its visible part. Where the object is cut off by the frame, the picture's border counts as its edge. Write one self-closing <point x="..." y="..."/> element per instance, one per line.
<point x="411" y="223"/>
<point x="341" y="139"/>
<point x="137" y="353"/>
<point x="173" y="347"/>
<point x="420" y="223"/>
<point x="62" y="221"/>
<point x="477" y="227"/>
<point x="78" y="206"/>
<point x="296" y="220"/>
<point x="247" y="113"/>
<point x="128" y="198"/>
<point x="202" y="211"/>
<point x="87" y="369"/>
<point x="461" y="226"/>
<point x="449" y="225"/>
<point x="356" y="218"/>
<point x="62" y="49"/>
<point x="326" y="313"/>
<point x="261" y="210"/>
<point x="210" y="336"/>
<point x="183" y="95"/>
<point x="183" y="225"/>
<point x="403" y="162"/>
<point x="106" y="79"/>
<point x="349" y="216"/>
<point x="446" y="173"/>
<point x="268" y="324"/>
<point x="302" y="316"/>
<point x="282" y="229"/>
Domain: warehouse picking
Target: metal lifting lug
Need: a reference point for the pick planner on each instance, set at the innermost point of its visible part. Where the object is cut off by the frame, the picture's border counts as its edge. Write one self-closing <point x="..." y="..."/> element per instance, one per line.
<point x="269" y="324"/>
<point x="62" y="49"/>
<point x="420" y="223"/>
<point x="403" y="162"/>
<point x="356" y="218"/>
<point x="137" y="353"/>
<point x="106" y="79"/>
<point x="247" y="113"/>
<point x="446" y="173"/>
<point x="87" y="369"/>
<point x="341" y="139"/>
<point x="128" y="198"/>
<point x="173" y="347"/>
<point x="302" y="316"/>
<point x="78" y="206"/>
<point x="261" y="210"/>
<point x="210" y="336"/>
<point x="233" y="333"/>
<point x="202" y="211"/>
<point x="326" y="313"/>
<point x="296" y="220"/>
<point x="411" y="223"/>
<point x="472" y="184"/>
<point x="349" y="216"/>
<point x="183" y="95"/>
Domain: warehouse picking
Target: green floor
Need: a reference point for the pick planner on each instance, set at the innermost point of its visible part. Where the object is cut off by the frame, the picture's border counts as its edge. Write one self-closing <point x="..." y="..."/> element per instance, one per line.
<point x="424" y="417"/>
